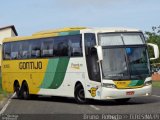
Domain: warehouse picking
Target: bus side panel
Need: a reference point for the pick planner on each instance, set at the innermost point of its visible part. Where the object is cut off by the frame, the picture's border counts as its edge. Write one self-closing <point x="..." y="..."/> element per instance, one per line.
<point x="6" y="82"/>
<point x="68" y="72"/>
<point x="32" y="71"/>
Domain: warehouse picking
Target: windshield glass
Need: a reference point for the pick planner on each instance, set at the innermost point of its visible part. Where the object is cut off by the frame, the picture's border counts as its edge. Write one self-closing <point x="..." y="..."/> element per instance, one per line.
<point x="138" y="62"/>
<point x="125" y="56"/>
<point x="117" y="39"/>
<point x="114" y="65"/>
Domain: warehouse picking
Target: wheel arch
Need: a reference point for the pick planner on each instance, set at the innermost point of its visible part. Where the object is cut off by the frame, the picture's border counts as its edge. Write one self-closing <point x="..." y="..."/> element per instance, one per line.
<point x="16" y="82"/>
<point x="77" y="83"/>
<point x="24" y="81"/>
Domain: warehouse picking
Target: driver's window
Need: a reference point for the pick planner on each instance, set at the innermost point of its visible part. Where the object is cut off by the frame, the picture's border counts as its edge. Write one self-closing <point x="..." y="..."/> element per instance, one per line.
<point x="91" y="57"/>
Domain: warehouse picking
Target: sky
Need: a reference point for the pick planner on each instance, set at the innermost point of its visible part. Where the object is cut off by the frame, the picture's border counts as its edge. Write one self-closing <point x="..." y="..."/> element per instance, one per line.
<point x="30" y="16"/>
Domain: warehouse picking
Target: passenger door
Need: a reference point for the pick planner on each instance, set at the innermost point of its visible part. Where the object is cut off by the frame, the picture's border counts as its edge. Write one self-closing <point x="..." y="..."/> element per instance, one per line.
<point x="94" y="82"/>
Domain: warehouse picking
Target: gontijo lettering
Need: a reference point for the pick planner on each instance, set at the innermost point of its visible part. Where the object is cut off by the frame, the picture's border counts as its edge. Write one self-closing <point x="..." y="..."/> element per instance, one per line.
<point x="30" y="65"/>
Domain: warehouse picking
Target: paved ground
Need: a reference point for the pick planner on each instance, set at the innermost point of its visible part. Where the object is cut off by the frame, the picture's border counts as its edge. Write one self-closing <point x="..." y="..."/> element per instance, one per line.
<point x="60" y="105"/>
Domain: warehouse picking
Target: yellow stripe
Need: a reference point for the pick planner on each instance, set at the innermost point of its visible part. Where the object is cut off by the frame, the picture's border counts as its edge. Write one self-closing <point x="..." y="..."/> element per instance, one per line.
<point x="43" y="34"/>
<point x="125" y="84"/>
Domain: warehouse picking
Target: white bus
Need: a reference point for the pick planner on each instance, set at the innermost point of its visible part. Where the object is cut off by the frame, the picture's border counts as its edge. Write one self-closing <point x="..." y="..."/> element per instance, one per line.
<point x="84" y="63"/>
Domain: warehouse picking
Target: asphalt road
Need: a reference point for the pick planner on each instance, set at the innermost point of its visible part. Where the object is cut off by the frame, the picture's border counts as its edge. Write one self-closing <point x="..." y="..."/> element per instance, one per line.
<point x="60" y="105"/>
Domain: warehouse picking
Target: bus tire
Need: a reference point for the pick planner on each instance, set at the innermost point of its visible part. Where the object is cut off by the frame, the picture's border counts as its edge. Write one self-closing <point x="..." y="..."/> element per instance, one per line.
<point x="25" y="91"/>
<point x="79" y="94"/>
<point x="17" y="89"/>
<point x="124" y="100"/>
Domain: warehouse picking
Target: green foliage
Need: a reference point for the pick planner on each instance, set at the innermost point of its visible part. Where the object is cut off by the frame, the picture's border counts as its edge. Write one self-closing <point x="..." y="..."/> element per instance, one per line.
<point x="1" y="91"/>
<point x="153" y="37"/>
<point x="156" y="84"/>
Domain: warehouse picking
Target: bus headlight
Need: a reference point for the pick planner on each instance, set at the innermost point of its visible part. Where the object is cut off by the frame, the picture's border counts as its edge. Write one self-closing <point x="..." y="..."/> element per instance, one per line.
<point x="108" y="85"/>
<point x="148" y="83"/>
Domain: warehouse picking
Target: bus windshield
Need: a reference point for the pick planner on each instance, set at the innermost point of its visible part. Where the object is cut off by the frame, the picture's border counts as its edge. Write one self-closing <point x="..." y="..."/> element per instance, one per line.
<point x="138" y="62"/>
<point x="124" y="59"/>
<point x="114" y="64"/>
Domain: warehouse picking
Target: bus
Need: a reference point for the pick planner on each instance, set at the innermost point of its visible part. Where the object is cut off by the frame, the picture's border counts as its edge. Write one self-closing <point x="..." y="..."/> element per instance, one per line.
<point x="79" y="62"/>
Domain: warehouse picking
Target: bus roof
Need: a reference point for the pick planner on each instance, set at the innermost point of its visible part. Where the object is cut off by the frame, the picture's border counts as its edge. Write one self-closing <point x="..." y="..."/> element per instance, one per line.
<point x="68" y="31"/>
<point x="112" y="29"/>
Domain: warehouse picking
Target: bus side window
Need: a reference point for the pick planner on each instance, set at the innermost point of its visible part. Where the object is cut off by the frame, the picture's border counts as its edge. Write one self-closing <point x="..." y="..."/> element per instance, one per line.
<point x="25" y="52"/>
<point x="7" y="51"/>
<point x="75" y="45"/>
<point x="47" y="47"/>
<point x="35" y="49"/>
<point x="60" y="46"/>
<point x="15" y="50"/>
<point x="91" y="57"/>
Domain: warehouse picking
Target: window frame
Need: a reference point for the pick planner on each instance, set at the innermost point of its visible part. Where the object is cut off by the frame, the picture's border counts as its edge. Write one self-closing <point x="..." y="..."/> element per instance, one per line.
<point x="41" y="47"/>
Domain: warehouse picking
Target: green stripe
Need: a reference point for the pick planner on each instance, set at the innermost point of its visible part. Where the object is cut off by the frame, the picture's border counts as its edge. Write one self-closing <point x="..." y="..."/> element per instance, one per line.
<point x="60" y="73"/>
<point x="136" y="83"/>
<point x="55" y="73"/>
<point x="69" y="33"/>
<point x="50" y="73"/>
<point x="140" y="82"/>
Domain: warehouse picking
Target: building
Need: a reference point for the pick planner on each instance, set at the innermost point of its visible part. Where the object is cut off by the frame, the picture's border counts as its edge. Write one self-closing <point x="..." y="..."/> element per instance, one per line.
<point x="7" y="31"/>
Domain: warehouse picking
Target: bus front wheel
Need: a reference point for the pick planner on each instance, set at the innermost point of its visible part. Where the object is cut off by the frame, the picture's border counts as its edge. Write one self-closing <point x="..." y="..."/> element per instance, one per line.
<point x="80" y="94"/>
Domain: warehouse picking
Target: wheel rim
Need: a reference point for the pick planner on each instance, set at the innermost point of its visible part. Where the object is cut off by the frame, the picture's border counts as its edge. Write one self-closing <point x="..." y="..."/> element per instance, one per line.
<point x="17" y="90"/>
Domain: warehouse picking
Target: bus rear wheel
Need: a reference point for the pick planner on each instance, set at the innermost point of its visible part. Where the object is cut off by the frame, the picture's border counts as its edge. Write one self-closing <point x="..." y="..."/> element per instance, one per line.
<point x="25" y="91"/>
<point x="80" y="94"/>
<point x="17" y="89"/>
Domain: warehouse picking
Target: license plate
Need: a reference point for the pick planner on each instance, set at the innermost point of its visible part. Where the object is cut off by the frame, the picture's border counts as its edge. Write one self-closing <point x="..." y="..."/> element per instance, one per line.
<point x="130" y="93"/>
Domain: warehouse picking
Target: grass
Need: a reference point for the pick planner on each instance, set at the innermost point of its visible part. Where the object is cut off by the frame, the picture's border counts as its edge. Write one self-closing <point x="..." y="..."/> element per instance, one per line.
<point x="156" y="84"/>
<point x="3" y="94"/>
<point x="1" y="91"/>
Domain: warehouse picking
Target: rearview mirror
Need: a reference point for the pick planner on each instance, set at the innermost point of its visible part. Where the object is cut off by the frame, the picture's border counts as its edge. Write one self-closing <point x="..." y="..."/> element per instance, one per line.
<point x="155" y="49"/>
<point x="99" y="52"/>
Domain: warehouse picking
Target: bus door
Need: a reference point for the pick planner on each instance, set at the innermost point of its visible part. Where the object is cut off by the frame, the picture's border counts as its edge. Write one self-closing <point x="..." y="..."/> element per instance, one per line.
<point x="93" y="86"/>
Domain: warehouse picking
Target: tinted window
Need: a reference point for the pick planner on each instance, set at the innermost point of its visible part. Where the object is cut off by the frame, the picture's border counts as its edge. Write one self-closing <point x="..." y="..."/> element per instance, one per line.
<point x="47" y="47"/>
<point x="7" y="51"/>
<point x="25" y="52"/>
<point x="35" y="48"/>
<point x="61" y="46"/>
<point x="90" y="42"/>
<point x="44" y="47"/>
<point x="15" y="48"/>
<point x="91" y="57"/>
<point x="75" y="45"/>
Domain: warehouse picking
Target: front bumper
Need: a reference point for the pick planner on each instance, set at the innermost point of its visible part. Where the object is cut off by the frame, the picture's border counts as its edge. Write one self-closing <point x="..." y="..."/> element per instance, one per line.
<point x="113" y="93"/>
